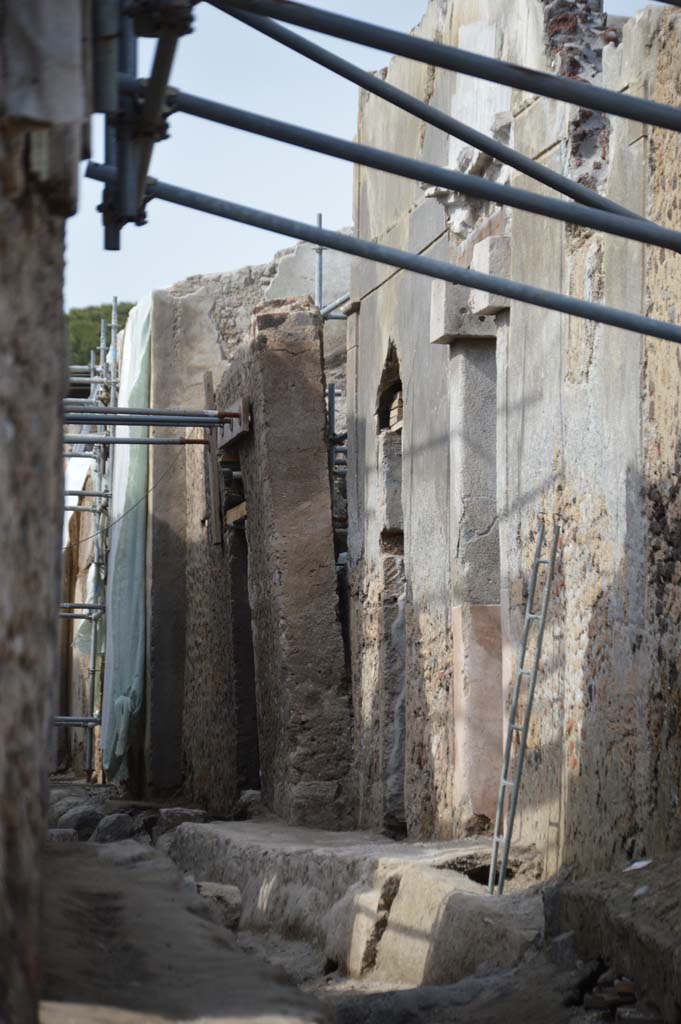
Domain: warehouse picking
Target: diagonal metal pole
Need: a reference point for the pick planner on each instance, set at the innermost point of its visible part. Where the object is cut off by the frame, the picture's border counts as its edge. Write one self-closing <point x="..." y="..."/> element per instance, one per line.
<point x="418" y="170"/>
<point x="151" y="114"/>
<point x="431" y="115"/>
<point x="398" y="258"/>
<point x="582" y="94"/>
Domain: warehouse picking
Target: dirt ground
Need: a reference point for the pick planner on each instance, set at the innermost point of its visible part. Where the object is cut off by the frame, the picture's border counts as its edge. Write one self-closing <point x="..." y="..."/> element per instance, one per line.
<point x="534" y="993"/>
<point x="125" y="943"/>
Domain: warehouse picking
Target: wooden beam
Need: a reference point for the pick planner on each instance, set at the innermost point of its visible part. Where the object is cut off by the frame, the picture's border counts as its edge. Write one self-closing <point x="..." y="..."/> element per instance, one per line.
<point x="237" y="514"/>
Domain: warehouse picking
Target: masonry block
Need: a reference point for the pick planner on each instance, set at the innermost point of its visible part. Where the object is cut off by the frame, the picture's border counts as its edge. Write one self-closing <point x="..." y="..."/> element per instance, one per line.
<point x="451" y="318"/>
<point x="491" y="255"/>
<point x="390" y="469"/>
<point x="477" y="714"/>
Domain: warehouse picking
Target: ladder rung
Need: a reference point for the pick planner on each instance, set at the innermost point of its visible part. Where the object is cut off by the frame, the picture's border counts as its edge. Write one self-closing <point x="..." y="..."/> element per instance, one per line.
<point x="517" y="728"/>
<point x="534" y="616"/>
<point x="543" y="561"/>
<point x="507" y="782"/>
<point x="524" y="671"/>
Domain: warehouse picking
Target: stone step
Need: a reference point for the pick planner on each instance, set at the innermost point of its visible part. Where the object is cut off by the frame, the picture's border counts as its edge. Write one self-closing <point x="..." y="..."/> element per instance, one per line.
<point x="390" y="910"/>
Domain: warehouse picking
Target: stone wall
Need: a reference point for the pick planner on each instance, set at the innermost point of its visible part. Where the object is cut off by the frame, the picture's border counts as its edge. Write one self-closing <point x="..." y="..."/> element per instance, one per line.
<point x="603" y="740"/>
<point x="512" y="412"/>
<point x="198" y="325"/>
<point x="302" y="694"/>
<point x="41" y="101"/>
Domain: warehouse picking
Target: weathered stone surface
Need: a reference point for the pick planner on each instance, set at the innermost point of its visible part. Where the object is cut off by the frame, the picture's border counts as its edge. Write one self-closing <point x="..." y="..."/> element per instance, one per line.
<point x="60" y="807"/>
<point x="111" y="828"/>
<point x="224" y="902"/>
<point x="165" y="843"/>
<point x="302" y="691"/>
<point x="442" y="927"/>
<point x="585" y="419"/>
<point x="62" y="835"/>
<point x="638" y="936"/>
<point x="197" y="654"/>
<point x="454" y="315"/>
<point x="84" y="818"/>
<point x="167" y="963"/>
<point x="170" y="817"/>
<point x="491" y="255"/>
<point x="343" y="892"/>
<point x="126" y="852"/>
<point x="42" y="96"/>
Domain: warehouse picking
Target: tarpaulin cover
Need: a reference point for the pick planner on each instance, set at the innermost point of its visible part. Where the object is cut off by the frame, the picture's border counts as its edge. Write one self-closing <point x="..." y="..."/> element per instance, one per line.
<point x="125" y="593"/>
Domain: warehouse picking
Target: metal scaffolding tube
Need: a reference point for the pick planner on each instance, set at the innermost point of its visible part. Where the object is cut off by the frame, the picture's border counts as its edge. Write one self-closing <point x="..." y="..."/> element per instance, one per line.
<point x="151" y="115"/>
<point x="319" y="269"/>
<point x="334" y="305"/>
<point x="105" y="56"/>
<point x="113" y="352"/>
<point x="452" y="58"/>
<point x="82" y="604"/>
<point x="431" y="115"/>
<point x="127" y="207"/>
<point x="418" y="170"/>
<point x="102" y="439"/>
<point x="404" y="260"/>
<point x="140" y="421"/>
<point x="81" y="508"/>
<point x="87" y="494"/>
<point x="77" y="615"/>
<point x="79" y="455"/>
<point x="107" y="410"/>
<point x="80" y="721"/>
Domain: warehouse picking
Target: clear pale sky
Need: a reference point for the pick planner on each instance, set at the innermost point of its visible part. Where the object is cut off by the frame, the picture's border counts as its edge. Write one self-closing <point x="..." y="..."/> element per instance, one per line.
<point x="231" y="63"/>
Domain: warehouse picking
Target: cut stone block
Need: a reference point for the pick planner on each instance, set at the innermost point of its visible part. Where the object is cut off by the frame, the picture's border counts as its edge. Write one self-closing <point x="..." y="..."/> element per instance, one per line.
<point x="62" y="835"/>
<point x="477" y="713"/>
<point x="390" y="469"/>
<point x="170" y="817"/>
<point x="451" y="319"/>
<point x="224" y="902"/>
<point x="491" y="255"/>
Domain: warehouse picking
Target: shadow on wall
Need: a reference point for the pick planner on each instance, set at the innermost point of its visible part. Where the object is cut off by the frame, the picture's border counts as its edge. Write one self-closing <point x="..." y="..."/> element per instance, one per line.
<point x="601" y="777"/>
<point x="603" y="766"/>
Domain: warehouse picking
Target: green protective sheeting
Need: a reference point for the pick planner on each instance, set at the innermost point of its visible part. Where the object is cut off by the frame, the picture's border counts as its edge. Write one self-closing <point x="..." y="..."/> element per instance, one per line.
<point x="123" y="696"/>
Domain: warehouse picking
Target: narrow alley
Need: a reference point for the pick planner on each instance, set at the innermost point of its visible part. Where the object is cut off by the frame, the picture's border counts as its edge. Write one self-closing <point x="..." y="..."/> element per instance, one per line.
<point x="340" y="589"/>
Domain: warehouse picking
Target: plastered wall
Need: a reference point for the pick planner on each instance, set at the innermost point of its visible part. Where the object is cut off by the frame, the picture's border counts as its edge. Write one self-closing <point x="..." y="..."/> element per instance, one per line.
<point x="585" y="432"/>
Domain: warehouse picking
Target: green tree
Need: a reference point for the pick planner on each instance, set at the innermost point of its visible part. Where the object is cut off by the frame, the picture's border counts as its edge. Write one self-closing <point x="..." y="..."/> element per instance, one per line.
<point x="84" y="328"/>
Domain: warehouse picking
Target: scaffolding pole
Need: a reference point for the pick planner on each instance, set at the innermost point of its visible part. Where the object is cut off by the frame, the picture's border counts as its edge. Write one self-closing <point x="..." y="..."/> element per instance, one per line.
<point x="431" y="115"/>
<point x="101" y="375"/>
<point x="379" y="253"/>
<point x="451" y="58"/>
<point x="417" y="170"/>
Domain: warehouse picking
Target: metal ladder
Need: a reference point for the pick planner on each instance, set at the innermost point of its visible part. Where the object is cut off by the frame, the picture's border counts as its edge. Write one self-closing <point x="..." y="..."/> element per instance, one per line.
<point x="508" y="783"/>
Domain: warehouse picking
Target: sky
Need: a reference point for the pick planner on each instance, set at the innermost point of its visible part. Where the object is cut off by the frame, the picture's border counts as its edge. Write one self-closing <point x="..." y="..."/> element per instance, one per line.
<point x="231" y="63"/>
